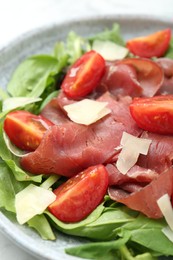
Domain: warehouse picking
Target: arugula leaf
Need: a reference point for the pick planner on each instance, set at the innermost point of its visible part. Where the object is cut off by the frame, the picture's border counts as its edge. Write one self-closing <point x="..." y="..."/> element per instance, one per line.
<point x="144" y="231"/>
<point x="101" y="224"/>
<point x="76" y="46"/>
<point x="70" y="228"/>
<point x="9" y="186"/>
<point x="48" y="99"/>
<point x="60" y="53"/>
<point x="33" y="75"/>
<point x="116" y="222"/>
<point x="7" y="192"/>
<point x="113" y="35"/>
<point x="68" y="53"/>
<point x="99" y="250"/>
<point x="40" y="223"/>
<point x="3" y="94"/>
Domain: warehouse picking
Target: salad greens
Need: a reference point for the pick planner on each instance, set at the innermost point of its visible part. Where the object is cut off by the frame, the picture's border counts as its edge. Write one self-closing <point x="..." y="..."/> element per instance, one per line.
<point x="113" y="231"/>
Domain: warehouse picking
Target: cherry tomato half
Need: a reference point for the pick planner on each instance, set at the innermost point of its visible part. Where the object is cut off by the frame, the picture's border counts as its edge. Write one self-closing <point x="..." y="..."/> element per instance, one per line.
<point x="154" y="114"/>
<point x="153" y="45"/>
<point x="80" y="195"/>
<point x="84" y="75"/>
<point x="25" y="130"/>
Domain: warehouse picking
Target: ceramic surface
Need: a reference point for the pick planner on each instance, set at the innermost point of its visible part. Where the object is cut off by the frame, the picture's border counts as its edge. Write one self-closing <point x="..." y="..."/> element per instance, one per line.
<point x="42" y="41"/>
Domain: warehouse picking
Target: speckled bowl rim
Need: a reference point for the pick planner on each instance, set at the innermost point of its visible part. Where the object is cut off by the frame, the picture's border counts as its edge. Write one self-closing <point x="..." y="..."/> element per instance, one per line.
<point x="6" y="226"/>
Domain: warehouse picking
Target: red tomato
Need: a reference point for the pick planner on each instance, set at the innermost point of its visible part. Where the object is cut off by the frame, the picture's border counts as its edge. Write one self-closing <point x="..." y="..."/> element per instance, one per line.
<point x="25" y="130"/>
<point x="154" y="114"/>
<point x="80" y="195"/>
<point x="153" y="45"/>
<point x="84" y="75"/>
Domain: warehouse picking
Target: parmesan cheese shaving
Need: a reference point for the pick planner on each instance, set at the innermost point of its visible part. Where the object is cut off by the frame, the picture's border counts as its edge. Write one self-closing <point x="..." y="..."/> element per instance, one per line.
<point x="165" y="206"/>
<point x="132" y="147"/>
<point x="168" y="233"/>
<point x="109" y="50"/>
<point x="31" y="201"/>
<point x="87" y="111"/>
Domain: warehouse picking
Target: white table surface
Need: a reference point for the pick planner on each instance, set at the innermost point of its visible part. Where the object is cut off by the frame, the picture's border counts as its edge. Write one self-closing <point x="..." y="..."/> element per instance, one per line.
<point x="20" y="16"/>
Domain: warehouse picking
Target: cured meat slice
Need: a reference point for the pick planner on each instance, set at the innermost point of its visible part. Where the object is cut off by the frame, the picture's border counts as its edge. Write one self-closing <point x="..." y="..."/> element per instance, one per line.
<point x="54" y="112"/>
<point x="134" y="77"/>
<point x="121" y="79"/>
<point x="136" y="174"/>
<point x="167" y="66"/>
<point x="145" y="199"/>
<point x="160" y="154"/>
<point x="69" y="148"/>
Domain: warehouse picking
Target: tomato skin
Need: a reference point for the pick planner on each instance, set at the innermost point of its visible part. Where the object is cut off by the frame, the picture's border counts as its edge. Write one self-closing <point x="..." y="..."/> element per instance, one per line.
<point x="154" y="114"/>
<point x="25" y="129"/>
<point x="80" y="195"/>
<point x="153" y="45"/>
<point x="84" y="75"/>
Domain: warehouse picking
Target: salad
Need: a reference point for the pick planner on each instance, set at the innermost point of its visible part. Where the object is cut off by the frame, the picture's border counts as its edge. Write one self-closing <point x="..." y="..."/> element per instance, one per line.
<point x="86" y="144"/>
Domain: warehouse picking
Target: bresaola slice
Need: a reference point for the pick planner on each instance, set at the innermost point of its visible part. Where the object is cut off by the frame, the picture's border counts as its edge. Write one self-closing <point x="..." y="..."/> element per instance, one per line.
<point x="54" y="112"/>
<point x="68" y="148"/>
<point x="160" y="153"/>
<point x="167" y="65"/>
<point x="145" y="199"/>
<point x="136" y="174"/>
<point x="138" y="189"/>
<point x="121" y="79"/>
<point x="134" y="77"/>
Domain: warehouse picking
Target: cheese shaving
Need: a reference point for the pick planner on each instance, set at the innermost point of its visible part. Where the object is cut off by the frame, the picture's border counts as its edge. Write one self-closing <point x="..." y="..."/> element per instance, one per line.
<point x="132" y="147"/>
<point x="31" y="201"/>
<point x="87" y="111"/>
<point x="110" y="50"/>
<point x="165" y="206"/>
<point x="168" y="233"/>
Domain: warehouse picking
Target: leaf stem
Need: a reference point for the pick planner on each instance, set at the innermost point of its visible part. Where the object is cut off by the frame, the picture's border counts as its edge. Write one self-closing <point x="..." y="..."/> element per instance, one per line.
<point x="50" y="181"/>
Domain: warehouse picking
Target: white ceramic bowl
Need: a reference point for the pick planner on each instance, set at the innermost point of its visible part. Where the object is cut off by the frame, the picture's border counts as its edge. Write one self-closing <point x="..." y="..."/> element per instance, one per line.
<point x="42" y="41"/>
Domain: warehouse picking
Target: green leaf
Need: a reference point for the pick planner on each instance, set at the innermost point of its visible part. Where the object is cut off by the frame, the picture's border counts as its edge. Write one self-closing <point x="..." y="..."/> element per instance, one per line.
<point x="126" y="254"/>
<point x="33" y="75"/>
<point x="148" y="233"/>
<point x="113" y="35"/>
<point x="7" y="192"/>
<point x="3" y="94"/>
<point x="70" y="228"/>
<point x="21" y="175"/>
<point x="61" y="54"/>
<point x="76" y="46"/>
<point x="48" y="99"/>
<point x="105" y="227"/>
<point x="99" y="225"/>
<point x="9" y="186"/>
<point x="99" y="250"/>
<point x="40" y="223"/>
